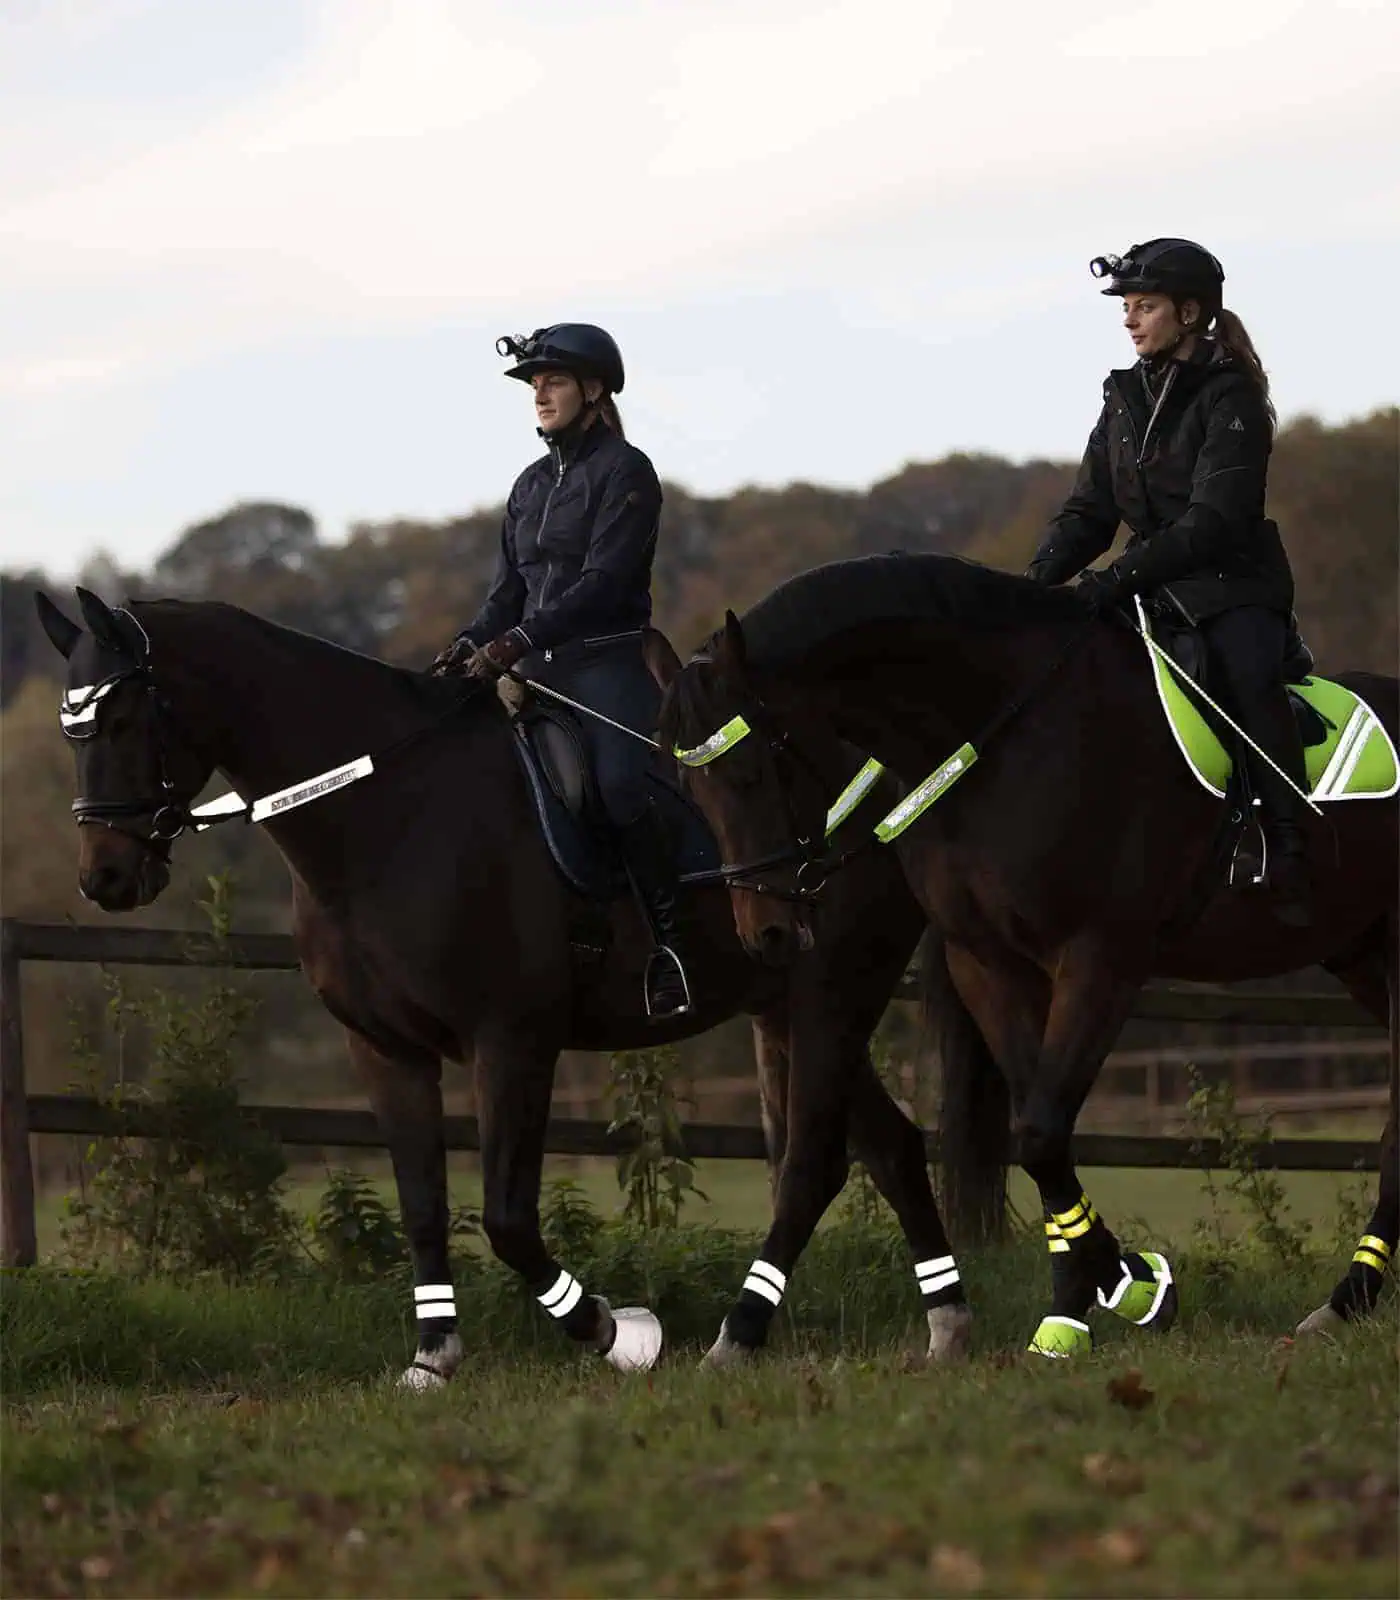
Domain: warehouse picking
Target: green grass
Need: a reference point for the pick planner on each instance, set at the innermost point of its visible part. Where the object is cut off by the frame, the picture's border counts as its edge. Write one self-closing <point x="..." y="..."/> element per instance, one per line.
<point x="177" y="1439"/>
<point x="1157" y="1204"/>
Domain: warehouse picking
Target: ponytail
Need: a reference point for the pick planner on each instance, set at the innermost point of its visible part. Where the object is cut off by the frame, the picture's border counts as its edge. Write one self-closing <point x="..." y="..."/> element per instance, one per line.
<point x="1233" y="338"/>
<point x="609" y="415"/>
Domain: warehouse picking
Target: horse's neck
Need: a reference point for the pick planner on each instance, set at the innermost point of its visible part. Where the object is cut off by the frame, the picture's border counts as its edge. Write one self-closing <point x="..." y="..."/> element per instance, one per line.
<point x="271" y="706"/>
<point x="914" y="694"/>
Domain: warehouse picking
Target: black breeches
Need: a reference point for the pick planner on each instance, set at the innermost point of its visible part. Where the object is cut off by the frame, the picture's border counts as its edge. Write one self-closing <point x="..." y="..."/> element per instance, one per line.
<point x="616" y="682"/>
<point x="1246" y="646"/>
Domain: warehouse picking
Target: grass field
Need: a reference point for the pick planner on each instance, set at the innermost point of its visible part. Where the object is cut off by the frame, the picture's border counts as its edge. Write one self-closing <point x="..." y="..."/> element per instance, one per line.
<point x="1166" y="1204"/>
<point x="178" y="1439"/>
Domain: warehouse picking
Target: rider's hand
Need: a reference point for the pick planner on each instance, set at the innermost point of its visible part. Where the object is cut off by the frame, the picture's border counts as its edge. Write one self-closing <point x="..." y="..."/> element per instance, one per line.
<point x="454" y="658"/>
<point x="499" y="656"/>
<point x="1102" y="591"/>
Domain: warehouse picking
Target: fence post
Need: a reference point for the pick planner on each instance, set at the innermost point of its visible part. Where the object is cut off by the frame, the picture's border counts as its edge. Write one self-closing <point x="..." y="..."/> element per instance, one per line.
<point x="19" y="1247"/>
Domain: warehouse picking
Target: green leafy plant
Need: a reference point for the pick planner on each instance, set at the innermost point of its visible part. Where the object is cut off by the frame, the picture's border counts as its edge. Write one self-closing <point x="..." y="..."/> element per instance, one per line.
<point x="201" y="1189"/>
<point x="653" y="1172"/>
<point x="1247" y="1174"/>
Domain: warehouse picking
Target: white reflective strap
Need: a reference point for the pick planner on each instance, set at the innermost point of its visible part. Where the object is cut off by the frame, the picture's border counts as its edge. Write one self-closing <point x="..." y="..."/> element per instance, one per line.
<point x="435" y="1308"/>
<point x="433" y="1291"/>
<point x="919" y="799"/>
<point x="765" y="1290"/>
<point x="1353" y="736"/>
<point x="854" y="792"/>
<point x="273" y="805"/>
<point x="80" y="705"/>
<point x="231" y="804"/>
<point x="727" y="737"/>
<point x="764" y="1270"/>
<point x="934" y="1264"/>
<point x="1163" y="1274"/>
<point x="562" y="1295"/>
<point x="938" y="1282"/>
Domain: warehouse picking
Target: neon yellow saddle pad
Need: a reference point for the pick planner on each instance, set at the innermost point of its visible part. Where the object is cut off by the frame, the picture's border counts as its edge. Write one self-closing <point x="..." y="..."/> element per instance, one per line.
<point x="1356" y="761"/>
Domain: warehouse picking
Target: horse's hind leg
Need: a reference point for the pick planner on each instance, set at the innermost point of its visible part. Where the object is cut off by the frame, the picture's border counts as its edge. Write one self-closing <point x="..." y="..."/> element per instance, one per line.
<point x="515" y="1077"/>
<point x="1374" y="981"/>
<point x="407" y="1099"/>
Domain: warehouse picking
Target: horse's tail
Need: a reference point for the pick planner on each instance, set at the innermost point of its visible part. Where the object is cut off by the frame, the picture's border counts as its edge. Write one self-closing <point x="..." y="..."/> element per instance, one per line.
<point x="975" y="1115"/>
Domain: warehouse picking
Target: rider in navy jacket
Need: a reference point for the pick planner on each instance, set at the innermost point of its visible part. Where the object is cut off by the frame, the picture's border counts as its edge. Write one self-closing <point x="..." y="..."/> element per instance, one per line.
<point x="572" y="593"/>
<point x="1180" y="453"/>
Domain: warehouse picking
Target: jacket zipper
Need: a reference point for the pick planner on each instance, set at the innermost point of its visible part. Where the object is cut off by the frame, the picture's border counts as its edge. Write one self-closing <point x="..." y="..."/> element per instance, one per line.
<point x="1167" y="383"/>
<point x="539" y="535"/>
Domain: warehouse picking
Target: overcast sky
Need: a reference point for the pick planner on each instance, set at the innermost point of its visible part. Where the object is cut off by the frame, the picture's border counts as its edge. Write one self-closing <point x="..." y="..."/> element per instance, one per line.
<point x="262" y="248"/>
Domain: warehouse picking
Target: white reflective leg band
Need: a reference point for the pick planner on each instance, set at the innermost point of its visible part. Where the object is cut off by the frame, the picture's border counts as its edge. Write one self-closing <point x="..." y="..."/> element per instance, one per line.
<point x="562" y="1295"/>
<point x="766" y="1282"/>
<point x="434" y="1300"/>
<point x="1164" y="1282"/>
<point x="938" y="1273"/>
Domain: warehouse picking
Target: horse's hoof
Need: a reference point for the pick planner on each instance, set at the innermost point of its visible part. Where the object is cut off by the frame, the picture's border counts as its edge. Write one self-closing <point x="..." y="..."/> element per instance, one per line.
<point x="421" y="1379"/>
<point x="1146" y="1301"/>
<point x="727" y="1352"/>
<point x="949" y="1333"/>
<point x="432" y="1369"/>
<point x="1324" y="1320"/>
<point x="636" y="1339"/>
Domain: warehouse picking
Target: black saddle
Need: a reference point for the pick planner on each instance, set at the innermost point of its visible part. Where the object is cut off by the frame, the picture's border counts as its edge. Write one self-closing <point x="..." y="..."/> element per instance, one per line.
<point x="1186" y="645"/>
<point x="553" y="755"/>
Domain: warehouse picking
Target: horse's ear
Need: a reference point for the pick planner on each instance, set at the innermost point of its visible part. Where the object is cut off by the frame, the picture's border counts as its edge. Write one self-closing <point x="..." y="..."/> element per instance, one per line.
<point x="63" y="633"/>
<point x="732" y="654"/>
<point x="662" y="661"/>
<point x="100" y="618"/>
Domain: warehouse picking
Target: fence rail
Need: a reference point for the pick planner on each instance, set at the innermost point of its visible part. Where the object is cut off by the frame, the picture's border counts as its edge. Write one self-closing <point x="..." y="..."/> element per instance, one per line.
<point x="22" y="1114"/>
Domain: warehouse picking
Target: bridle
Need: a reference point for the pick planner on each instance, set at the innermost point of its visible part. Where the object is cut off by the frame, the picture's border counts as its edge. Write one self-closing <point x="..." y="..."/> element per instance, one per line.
<point x="169" y="815"/>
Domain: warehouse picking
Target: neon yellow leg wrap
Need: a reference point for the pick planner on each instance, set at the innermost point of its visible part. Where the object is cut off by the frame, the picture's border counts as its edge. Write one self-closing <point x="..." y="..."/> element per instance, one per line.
<point x="1059" y="1338"/>
<point x="1135" y="1300"/>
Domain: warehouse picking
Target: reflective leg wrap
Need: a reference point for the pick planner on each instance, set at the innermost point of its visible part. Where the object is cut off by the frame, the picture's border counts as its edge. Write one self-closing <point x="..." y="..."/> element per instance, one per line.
<point x="1059" y="1338"/>
<point x="1356" y="1294"/>
<point x="939" y="1282"/>
<point x="759" y="1299"/>
<point x="1145" y="1293"/>
<point x="577" y="1313"/>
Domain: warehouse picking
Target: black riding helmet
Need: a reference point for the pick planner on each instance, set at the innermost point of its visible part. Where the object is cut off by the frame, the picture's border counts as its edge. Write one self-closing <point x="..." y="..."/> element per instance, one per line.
<point x="576" y="347"/>
<point x="1175" y="267"/>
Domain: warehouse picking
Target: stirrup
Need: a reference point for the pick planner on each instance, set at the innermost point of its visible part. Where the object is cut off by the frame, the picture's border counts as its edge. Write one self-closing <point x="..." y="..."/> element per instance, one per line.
<point x="664" y="952"/>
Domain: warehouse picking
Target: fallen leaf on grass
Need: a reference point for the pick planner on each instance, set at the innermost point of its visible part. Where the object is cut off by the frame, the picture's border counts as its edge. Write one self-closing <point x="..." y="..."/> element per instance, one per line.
<point x="95" y="1568"/>
<point x="1128" y="1390"/>
<point x="1124" y="1547"/>
<point x="721" y="1477"/>
<point x="953" y="1567"/>
<point x="1113" y="1474"/>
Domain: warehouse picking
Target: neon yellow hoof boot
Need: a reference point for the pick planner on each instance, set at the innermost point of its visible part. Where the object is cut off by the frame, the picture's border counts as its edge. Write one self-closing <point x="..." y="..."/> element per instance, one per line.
<point x="1059" y="1338"/>
<point x="1145" y="1294"/>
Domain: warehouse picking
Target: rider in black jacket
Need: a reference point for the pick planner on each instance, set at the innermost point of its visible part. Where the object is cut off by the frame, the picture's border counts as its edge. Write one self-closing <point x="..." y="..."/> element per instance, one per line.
<point x="1180" y="453"/>
<point x="572" y="593"/>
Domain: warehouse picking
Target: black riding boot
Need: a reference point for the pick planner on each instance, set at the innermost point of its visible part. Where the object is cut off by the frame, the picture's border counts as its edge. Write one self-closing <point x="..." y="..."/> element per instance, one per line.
<point x="652" y="865"/>
<point x="1286" y="876"/>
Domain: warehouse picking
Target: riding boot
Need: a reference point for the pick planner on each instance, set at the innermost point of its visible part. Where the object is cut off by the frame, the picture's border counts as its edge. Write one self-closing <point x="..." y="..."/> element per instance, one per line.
<point x="1286" y="876"/>
<point x="651" y="864"/>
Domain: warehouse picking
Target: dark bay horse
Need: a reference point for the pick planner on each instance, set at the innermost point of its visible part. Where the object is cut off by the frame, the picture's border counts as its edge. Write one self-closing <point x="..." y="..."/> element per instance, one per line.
<point x="433" y="924"/>
<point x="1067" y="858"/>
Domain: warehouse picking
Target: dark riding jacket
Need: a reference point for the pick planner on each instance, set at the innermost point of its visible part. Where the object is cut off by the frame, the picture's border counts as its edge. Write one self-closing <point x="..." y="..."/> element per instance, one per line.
<point x="1181" y="458"/>
<point x="576" y="545"/>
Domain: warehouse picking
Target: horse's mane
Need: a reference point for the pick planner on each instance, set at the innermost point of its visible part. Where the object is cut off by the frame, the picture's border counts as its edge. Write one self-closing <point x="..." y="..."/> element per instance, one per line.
<point x="167" y="615"/>
<point x="816" y="606"/>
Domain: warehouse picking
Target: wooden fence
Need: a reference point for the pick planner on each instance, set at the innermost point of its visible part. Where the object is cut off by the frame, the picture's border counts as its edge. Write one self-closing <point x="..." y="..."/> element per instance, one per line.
<point x="23" y="1114"/>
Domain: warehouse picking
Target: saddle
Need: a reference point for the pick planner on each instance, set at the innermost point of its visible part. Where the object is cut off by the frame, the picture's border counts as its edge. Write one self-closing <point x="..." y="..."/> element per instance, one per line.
<point x="1348" y="753"/>
<point x="553" y="755"/>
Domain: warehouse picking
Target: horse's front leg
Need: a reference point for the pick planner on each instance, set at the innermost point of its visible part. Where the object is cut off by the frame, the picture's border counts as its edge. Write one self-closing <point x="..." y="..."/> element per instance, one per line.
<point x="515" y="1078"/>
<point x="406" y="1095"/>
